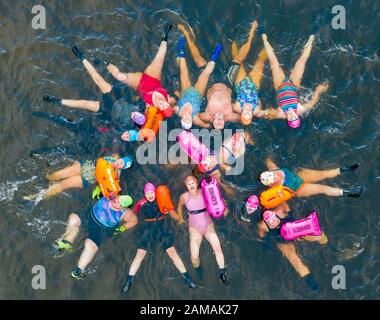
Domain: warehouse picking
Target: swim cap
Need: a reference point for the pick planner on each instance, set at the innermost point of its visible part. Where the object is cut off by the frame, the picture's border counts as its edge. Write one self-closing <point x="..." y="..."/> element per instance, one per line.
<point x="125" y="201"/>
<point x="168" y="112"/>
<point x="269" y="216"/>
<point x="186" y="125"/>
<point x="149" y="187"/>
<point x="128" y="162"/>
<point x="138" y="118"/>
<point x="267" y="178"/>
<point x="295" y="123"/>
<point x="133" y="134"/>
<point x="201" y="168"/>
<point x="252" y="202"/>
<point x="188" y="178"/>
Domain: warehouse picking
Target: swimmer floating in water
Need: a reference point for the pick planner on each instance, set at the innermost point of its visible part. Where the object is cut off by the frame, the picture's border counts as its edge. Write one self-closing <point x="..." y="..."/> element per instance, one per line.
<point x="148" y="83"/>
<point x="106" y="218"/>
<point x="289" y="107"/>
<point x="155" y="230"/>
<point x="191" y="96"/>
<point x="303" y="183"/>
<point x="110" y="94"/>
<point x="79" y="175"/>
<point x="270" y="225"/>
<point x="200" y="225"/>
<point x="219" y="107"/>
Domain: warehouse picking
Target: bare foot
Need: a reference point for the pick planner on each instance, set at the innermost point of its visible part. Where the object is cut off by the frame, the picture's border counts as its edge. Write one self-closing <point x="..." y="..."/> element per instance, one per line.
<point x="264" y="37"/>
<point x="309" y="41"/>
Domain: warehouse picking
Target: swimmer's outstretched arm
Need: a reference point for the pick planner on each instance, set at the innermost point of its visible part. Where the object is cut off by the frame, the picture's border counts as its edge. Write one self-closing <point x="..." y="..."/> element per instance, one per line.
<point x="234" y="117"/>
<point x="181" y="203"/>
<point x="229" y="190"/>
<point x="306" y="107"/>
<point x="262" y="229"/>
<point x="273" y="114"/>
<point x="270" y="164"/>
<point x="129" y="219"/>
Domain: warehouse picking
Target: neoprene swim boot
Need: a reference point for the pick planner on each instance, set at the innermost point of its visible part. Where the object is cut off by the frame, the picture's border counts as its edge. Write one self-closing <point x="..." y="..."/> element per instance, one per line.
<point x="78" y="53"/>
<point x="52" y="100"/>
<point x="353" y="192"/>
<point x="224" y="277"/>
<point x="188" y="281"/>
<point x="127" y="284"/>
<point x="77" y="273"/>
<point x="181" y="47"/>
<point x="165" y="32"/>
<point x="311" y="283"/>
<point x="218" y="49"/>
<point x="349" y="168"/>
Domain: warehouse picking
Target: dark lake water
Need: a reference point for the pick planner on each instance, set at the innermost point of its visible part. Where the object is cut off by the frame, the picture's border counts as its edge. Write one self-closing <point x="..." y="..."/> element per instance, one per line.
<point x="344" y="128"/>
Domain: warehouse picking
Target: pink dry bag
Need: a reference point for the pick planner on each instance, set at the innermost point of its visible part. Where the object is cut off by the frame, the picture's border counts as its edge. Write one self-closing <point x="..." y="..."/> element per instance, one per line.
<point x="300" y="228"/>
<point x="213" y="198"/>
<point x="189" y="143"/>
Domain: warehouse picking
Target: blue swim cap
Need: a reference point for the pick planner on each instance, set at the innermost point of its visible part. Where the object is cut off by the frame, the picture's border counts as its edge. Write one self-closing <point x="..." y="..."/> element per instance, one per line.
<point x="128" y="162"/>
<point x="133" y="135"/>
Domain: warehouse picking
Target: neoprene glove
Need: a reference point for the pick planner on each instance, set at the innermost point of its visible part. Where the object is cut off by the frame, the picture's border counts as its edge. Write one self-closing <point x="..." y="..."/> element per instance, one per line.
<point x="96" y="192"/>
<point x="119" y="230"/>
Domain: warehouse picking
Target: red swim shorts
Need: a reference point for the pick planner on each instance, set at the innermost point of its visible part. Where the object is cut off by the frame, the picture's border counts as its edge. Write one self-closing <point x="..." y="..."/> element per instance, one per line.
<point x="147" y="86"/>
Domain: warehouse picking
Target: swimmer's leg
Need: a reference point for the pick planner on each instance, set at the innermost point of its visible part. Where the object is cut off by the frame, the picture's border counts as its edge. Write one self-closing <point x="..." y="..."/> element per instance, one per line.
<point x="195" y="53"/>
<point x="135" y="266"/>
<point x="195" y="245"/>
<point x="244" y="49"/>
<point x="201" y="84"/>
<point x="65" y="243"/>
<point x="88" y="254"/>
<point x="241" y="73"/>
<point x="311" y="176"/>
<point x="73" y="125"/>
<point x="213" y="239"/>
<point x="322" y="239"/>
<point x="299" y="67"/>
<point x="178" y="263"/>
<point x="290" y="253"/>
<point x="89" y="105"/>
<point x="257" y="71"/>
<point x="74" y="182"/>
<point x="155" y="68"/>
<point x="103" y="85"/>
<point x="278" y="74"/>
<point x="311" y="189"/>
<point x="67" y="172"/>
<point x="184" y="74"/>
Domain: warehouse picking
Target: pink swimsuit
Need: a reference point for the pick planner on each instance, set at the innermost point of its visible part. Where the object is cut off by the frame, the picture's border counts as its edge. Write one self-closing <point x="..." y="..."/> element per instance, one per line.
<point x="199" y="219"/>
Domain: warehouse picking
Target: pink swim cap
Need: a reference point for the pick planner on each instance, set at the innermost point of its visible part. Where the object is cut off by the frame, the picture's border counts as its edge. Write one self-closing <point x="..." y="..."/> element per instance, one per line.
<point x="253" y="202"/>
<point x="268" y="216"/>
<point x="149" y="187"/>
<point x="295" y="123"/>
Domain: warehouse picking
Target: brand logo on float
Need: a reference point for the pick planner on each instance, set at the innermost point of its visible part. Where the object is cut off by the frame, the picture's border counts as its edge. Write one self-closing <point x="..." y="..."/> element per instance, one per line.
<point x="300" y="229"/>
<point x="213" y="196"/>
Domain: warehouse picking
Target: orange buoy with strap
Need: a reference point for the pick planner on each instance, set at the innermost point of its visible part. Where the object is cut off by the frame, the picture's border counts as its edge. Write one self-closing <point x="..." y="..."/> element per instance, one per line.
<point x="274" y="196"/>
<point x="153" y="119"/>
<point x="107" y="178"/>
<point x="164" y="201"/>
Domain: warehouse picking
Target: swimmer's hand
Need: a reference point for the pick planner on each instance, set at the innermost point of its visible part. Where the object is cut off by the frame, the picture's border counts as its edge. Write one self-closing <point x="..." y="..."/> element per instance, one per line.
<point x="96" y="193"/>
<point x="119" y="230"/>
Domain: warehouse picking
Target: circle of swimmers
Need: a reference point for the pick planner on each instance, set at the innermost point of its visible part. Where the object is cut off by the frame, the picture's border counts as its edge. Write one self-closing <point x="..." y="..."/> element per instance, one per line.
<point x="203" y="198"/>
